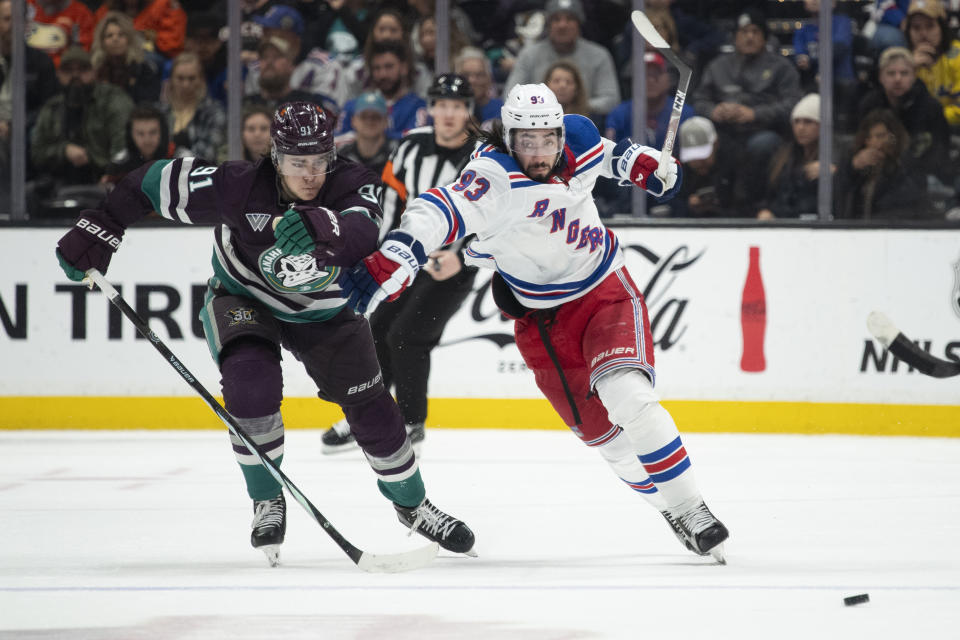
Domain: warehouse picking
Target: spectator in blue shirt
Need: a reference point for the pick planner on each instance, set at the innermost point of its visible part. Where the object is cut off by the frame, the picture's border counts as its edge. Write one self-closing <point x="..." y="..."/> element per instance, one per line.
<point x="659" y="107"/>
<point x="884" y="28"/>
<point x="807" y="37"/>
<point x="389" y="68"/>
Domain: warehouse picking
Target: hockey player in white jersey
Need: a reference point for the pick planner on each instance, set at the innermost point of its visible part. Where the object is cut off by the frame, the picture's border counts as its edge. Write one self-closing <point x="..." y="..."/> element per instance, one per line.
<point x="581" y="323"/>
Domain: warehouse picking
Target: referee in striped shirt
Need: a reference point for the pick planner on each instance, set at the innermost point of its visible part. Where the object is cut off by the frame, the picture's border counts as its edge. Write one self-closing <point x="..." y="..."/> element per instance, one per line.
<point x="406" y="331"/>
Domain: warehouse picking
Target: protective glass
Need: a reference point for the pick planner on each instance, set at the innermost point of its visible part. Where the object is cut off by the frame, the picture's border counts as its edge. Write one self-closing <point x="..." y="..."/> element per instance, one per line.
<point x="305" y="166"/>
<point x="536" y="143"/>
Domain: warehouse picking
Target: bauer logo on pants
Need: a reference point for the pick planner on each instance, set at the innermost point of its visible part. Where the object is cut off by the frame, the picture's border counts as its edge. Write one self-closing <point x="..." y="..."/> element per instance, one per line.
<point x="619" y="351"/>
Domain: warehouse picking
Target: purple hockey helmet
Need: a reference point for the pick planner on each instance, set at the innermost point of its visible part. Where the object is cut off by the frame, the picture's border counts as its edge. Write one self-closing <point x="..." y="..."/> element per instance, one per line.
<point x="302" y="136"/>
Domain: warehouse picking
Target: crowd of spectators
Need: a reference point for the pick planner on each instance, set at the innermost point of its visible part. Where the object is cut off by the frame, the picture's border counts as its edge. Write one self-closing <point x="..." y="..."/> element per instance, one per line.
<point x="115" y="83"/>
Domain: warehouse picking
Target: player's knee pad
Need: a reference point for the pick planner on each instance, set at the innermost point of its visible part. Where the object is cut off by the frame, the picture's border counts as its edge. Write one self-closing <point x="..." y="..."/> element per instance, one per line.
<point x="627" y="395"/>
<point x="252" y="380"/>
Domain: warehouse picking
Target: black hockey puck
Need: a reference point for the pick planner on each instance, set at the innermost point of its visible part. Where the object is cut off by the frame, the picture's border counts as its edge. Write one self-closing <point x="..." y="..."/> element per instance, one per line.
<point x="858" y="599"/>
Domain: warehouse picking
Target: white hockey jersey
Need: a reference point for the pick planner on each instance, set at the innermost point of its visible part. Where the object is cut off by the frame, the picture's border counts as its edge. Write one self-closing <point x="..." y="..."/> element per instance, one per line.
<point x="545" y="239"/>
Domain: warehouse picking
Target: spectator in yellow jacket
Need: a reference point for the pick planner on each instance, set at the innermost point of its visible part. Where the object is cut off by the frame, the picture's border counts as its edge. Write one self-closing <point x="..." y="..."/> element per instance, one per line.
<point x="937" y="58"/>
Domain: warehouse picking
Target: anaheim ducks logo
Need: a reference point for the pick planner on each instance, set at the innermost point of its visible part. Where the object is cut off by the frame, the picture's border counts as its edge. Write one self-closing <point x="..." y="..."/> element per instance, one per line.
<point x="295" y="274"/>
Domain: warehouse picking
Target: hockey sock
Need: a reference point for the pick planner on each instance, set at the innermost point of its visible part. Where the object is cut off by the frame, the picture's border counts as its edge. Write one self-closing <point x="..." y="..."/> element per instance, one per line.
<point x="406" y="493"/>
<point x="632" y="403"/>
<point x="268" y="434"/>
<point x="619" y="454"/>
<point x="252" y="391"/>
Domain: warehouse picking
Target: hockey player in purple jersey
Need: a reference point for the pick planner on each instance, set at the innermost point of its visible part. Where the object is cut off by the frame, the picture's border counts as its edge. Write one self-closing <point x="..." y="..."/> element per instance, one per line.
<point x="286" y="227"/>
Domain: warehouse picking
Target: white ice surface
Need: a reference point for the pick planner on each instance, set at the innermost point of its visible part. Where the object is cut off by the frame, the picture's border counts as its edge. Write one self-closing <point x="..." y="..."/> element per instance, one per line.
<point x="145" y="535"/>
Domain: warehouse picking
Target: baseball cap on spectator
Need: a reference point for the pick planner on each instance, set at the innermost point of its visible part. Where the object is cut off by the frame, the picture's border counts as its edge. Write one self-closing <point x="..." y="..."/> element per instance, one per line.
<point x="697" y="135"/>
<point x="75" y="56"/>
<point x="281" y="17"/>
<point x="932" y="8"/>
<point x="46" y="37"/>
<point x="280" y="43"/>
<point x="755" y="17"/>
<point x="573" y="7"/>
<point x="652" y="58"/>
<point x="370" y="101"/>
<point x="808" y="108"/>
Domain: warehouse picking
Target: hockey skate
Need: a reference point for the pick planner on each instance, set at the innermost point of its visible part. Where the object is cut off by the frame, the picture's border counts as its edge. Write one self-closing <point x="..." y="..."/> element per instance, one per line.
<point x="699" y="531"/>
<point x="415" y="432"/>
<point x="433" y="524"/>
<point x="338" y="438"/>
<point x="269" y="526"/>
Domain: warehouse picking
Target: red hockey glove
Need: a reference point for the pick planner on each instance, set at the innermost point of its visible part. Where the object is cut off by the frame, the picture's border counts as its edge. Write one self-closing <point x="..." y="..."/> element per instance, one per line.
<point x="384" y="274"/>
<point x="637" y="164"/>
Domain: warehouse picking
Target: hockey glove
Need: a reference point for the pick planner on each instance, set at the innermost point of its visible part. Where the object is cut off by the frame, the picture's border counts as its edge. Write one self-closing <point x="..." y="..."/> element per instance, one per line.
<point x="89" y="244"/>
<point x="304" y="229"/>
<point x="384" y="274"/>
<point x="637" y="164"/>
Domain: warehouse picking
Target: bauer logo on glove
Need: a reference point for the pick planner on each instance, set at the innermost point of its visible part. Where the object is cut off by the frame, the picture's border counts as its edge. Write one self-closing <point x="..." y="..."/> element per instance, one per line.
<point x="89" y="244"/>
<point x="637" y="164"/>
<point x="101" y="234"/>
<point x="384" y="274"/>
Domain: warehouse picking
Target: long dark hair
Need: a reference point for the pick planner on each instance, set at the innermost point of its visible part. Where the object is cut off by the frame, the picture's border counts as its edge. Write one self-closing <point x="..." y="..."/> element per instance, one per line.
<point x="946" y="35"/>
<point x="495" y="137"/>
<point x="887" y="118"/>
<point x="790" y="156"/>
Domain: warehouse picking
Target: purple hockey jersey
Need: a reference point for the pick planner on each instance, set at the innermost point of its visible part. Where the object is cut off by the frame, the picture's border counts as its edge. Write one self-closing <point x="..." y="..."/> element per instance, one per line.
<point x="243" y="198"/>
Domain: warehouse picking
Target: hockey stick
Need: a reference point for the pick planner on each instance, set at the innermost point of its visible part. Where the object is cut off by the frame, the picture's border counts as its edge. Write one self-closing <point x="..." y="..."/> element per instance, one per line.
<point x="902" y="347"/>
<point x="649" y="33"/>
<point x="381" y="563"/>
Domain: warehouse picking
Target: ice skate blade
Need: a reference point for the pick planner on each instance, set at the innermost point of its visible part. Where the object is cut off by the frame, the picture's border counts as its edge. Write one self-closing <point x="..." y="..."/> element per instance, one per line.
<point x="718" y="554"/>
<point x="272" y="551"/>
<point x="471" y="553"/>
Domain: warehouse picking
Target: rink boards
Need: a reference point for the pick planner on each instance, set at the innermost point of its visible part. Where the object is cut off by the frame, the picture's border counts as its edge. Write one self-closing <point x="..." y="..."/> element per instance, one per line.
<point x="70" y="361"/>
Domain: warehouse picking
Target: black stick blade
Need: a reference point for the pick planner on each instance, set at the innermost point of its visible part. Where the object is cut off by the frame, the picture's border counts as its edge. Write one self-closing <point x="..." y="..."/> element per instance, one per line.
<point x="901" y="346"/>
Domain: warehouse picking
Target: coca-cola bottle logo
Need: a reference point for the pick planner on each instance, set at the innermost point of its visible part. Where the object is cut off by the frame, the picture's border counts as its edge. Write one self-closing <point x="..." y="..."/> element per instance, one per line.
<point x="753" y="316"/>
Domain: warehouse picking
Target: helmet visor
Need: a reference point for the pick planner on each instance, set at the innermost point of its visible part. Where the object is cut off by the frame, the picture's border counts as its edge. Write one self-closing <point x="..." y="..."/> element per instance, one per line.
<point x="305" y="166"/>
<point x="531" y="142"/>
